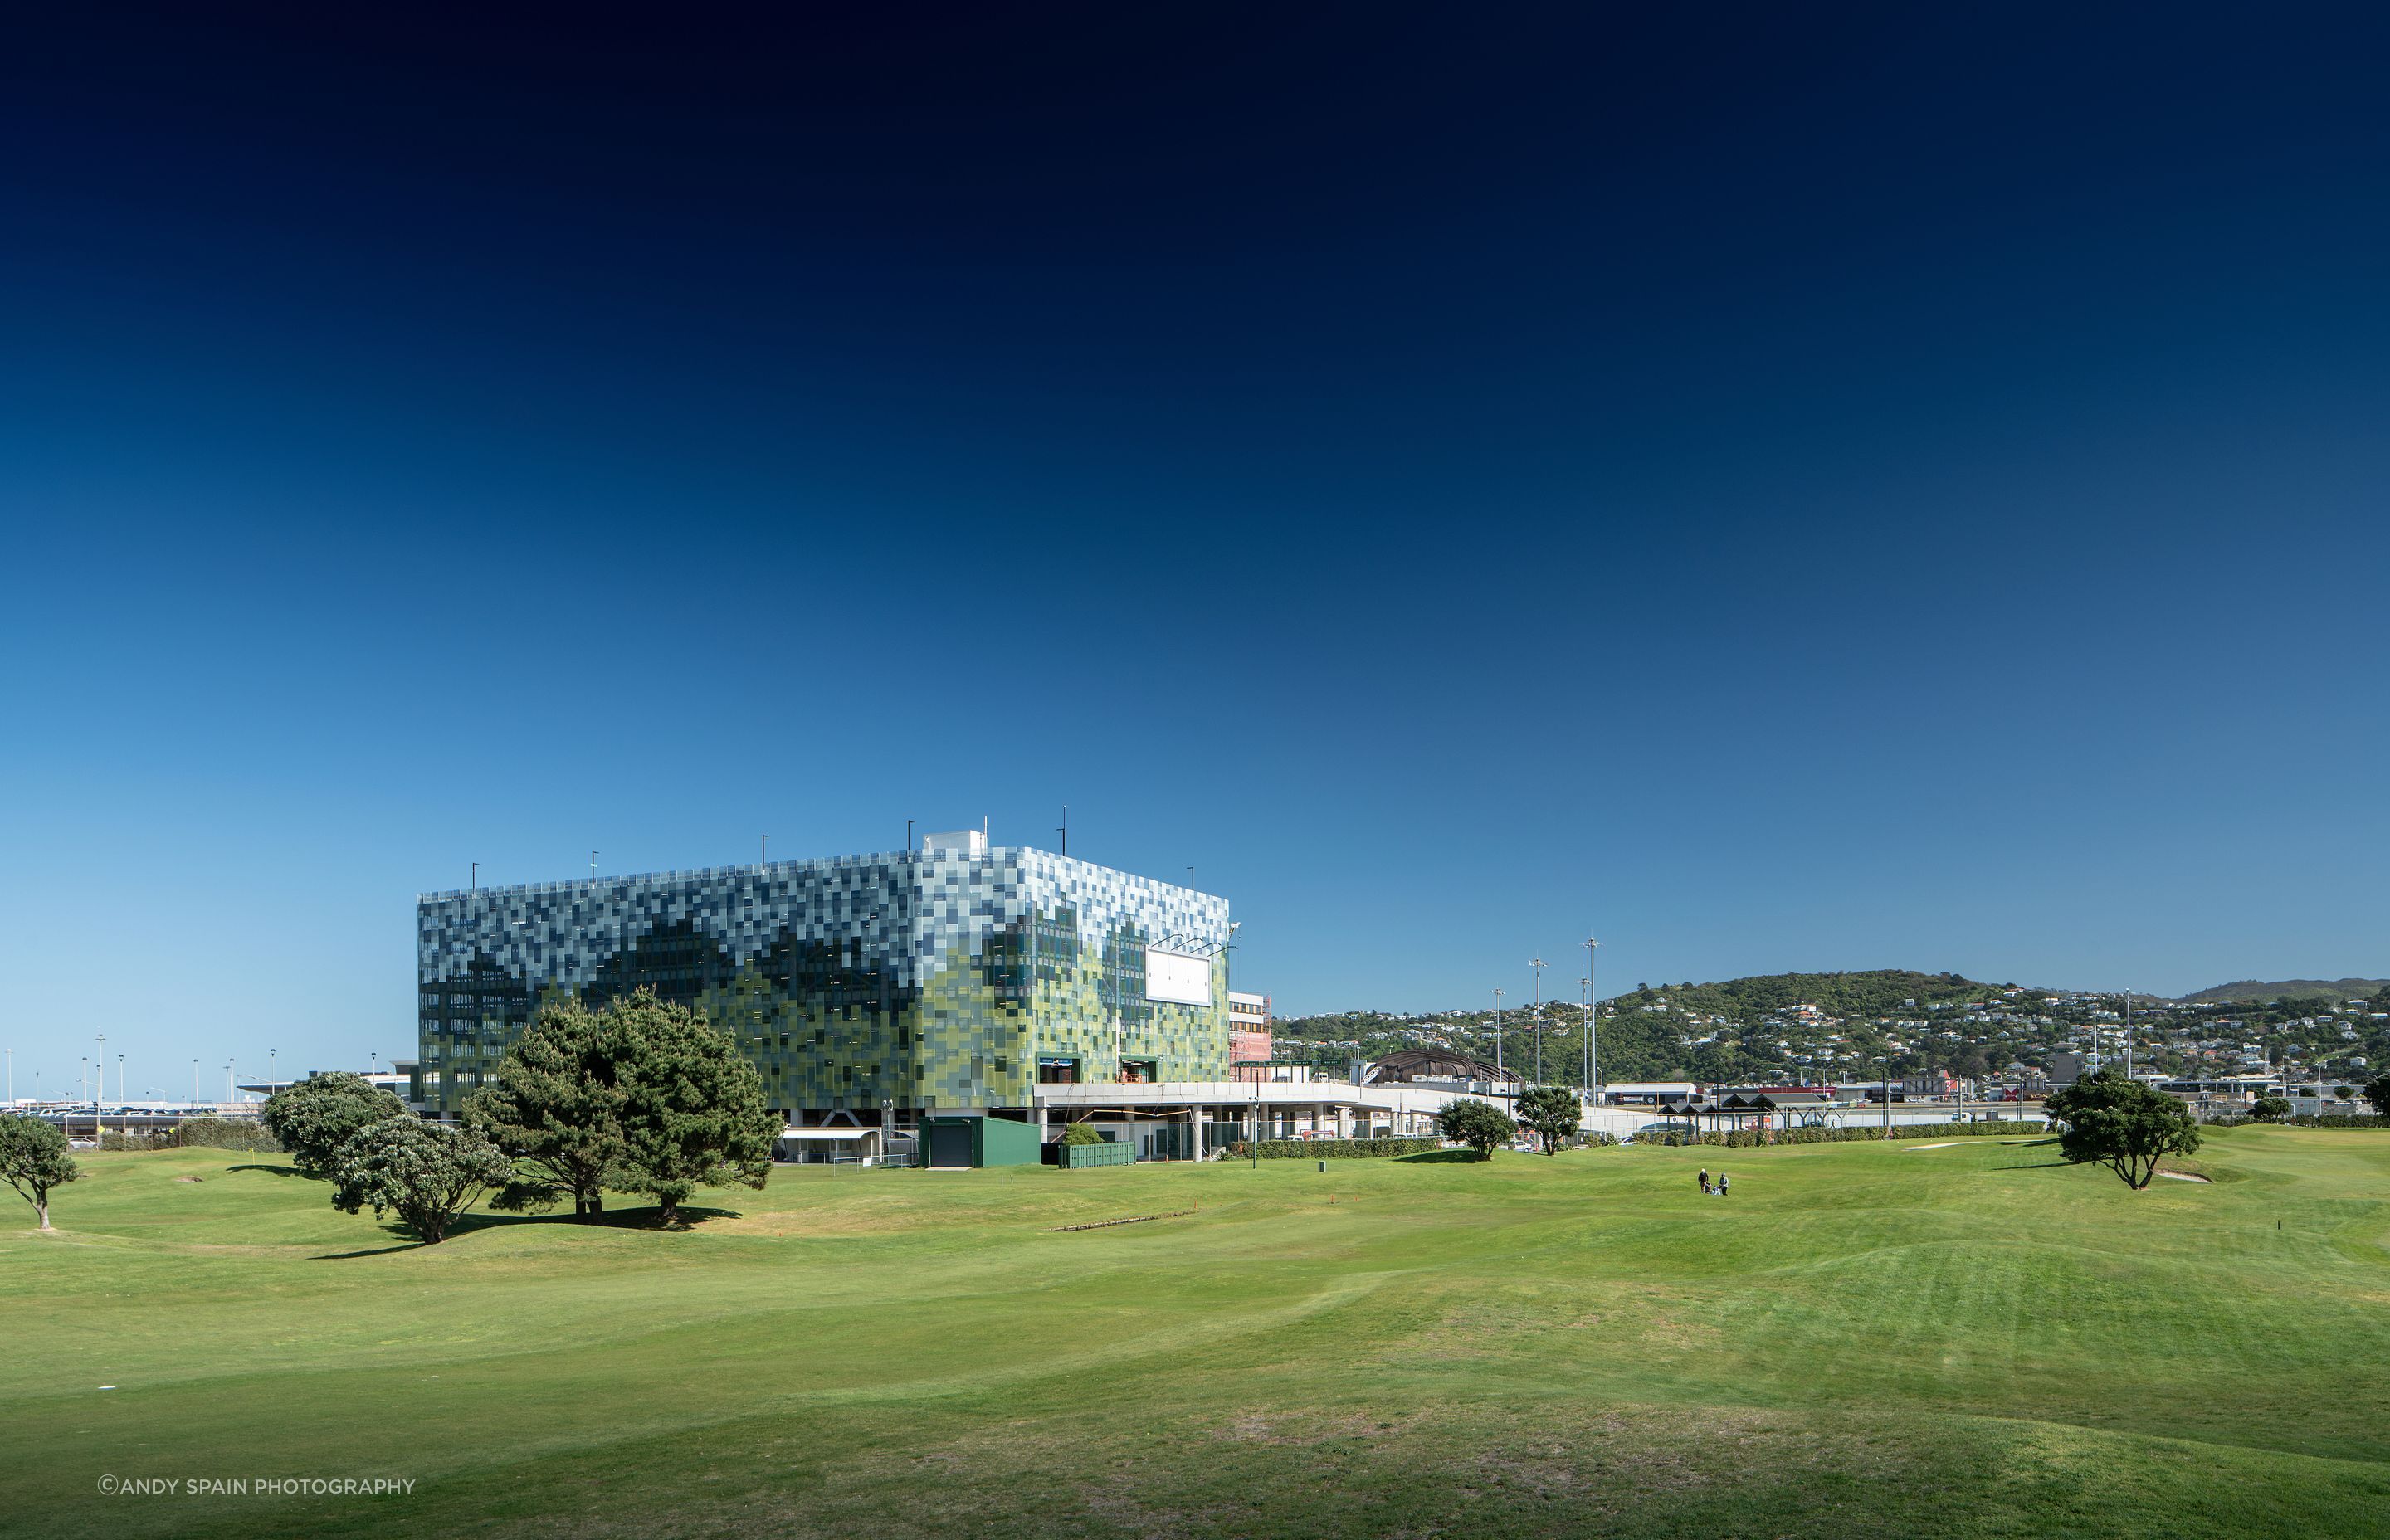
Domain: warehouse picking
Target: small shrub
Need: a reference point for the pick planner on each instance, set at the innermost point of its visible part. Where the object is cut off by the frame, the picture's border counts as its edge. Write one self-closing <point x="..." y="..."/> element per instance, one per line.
<point x="1079" y="1133"/>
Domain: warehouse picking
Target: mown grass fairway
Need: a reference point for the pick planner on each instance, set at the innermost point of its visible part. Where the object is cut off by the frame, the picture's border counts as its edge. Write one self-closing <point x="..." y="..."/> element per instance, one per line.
<point x="1967" y="1340"/>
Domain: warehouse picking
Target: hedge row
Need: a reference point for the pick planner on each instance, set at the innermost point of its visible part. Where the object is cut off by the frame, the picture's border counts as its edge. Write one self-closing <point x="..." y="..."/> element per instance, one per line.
<point x="246" y="1134"/>
<point x="1324" y="1149"/>
<point x="2340" y="1120"/>
<point x="1747" y="1138"/>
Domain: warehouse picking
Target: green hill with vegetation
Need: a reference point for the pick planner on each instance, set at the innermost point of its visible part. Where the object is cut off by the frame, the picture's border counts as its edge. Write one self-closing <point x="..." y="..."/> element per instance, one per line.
<point x="1710" y="1032"/>
<point x="2294" y="989"/>
<point x="1974" y="1340"/>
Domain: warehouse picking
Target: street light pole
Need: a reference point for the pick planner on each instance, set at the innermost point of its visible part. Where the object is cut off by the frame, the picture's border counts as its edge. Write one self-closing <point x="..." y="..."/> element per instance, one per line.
<point x="1497" y="1035"/>
<point x="1537" y="964"/>
<point x="1884" y="1084"/>
<point x="1584" y="1029"/>
<point x="1593" y="1019"/>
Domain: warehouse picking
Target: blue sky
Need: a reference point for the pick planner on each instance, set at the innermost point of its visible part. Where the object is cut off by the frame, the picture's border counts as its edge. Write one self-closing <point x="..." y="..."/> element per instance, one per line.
<point x="1785" y="492"/>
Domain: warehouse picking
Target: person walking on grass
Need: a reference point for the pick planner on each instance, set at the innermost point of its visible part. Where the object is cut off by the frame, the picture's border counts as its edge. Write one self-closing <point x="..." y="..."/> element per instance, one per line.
<point x="1706" y="1178"/>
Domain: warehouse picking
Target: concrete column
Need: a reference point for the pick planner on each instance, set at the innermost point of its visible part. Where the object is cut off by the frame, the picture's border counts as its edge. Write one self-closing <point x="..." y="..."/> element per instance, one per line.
<point x="1195" y="1121"/>
<point x="1041" y="1118"/>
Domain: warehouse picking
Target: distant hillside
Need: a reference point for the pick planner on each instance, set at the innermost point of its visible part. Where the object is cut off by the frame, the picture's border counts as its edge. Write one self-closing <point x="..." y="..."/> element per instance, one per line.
<point x="1714" y="1031"/>
<point x="2293" y="989"/>
<point x="1751" y="1031"/>
<point x="1872" y="991"/>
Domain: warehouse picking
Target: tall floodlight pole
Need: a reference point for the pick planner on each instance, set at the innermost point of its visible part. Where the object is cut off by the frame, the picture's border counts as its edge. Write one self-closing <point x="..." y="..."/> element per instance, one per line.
<point x="1537" y="964"/>
<point x="1584" y="1029"/>
<point x="1497" y="1035"/>
<point x="99" y="1081"/>
<point x="195" y="1079"/>
<point x="2129" y="1034"/>
<point x="1593" y="1018"/>
<point x="1883" y="1084"/>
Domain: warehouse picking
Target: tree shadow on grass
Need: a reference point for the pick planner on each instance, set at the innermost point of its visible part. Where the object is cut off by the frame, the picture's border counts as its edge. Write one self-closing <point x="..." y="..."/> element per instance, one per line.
<point x="2034" y="1165"/>
<point x="644" y="1218"/>
<point x="1441" y="1158"/>
<point x="278" y="1171"/>
<point x="692" y="1215"/>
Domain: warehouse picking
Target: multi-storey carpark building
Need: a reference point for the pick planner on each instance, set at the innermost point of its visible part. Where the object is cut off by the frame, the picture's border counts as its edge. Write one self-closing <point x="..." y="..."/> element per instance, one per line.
<point x="953" y="976"/>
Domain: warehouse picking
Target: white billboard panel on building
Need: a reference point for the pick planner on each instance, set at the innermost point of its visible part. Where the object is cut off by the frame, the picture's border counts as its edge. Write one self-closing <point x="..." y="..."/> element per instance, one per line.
<point x="1177" y="978"/>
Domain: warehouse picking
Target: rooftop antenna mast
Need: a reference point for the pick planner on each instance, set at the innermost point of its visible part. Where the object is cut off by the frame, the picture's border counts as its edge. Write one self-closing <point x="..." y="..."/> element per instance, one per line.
<point x="1065" y="830"/>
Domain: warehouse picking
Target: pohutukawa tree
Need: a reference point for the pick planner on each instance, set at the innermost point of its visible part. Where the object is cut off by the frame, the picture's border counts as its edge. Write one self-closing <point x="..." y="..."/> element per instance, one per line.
<point x="2122" y="1124"/>
<point x="555" y="1103"/>
<point x="1481" y="1125"/>
<point x="693" y="1113"/>
<point x="315" y="1118"/>
<point x="34" y="1159"/>
<point x="1551" y="1113"/>
<point x="425" y="1174"/>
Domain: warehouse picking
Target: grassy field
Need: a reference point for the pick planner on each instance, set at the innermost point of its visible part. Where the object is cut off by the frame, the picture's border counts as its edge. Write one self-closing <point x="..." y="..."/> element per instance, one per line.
<point x="1966" y="1341"/>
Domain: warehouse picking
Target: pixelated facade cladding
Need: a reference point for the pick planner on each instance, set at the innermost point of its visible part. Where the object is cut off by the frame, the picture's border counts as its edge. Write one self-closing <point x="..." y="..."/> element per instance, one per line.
<point x="953" y="976"/>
